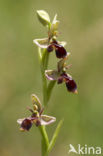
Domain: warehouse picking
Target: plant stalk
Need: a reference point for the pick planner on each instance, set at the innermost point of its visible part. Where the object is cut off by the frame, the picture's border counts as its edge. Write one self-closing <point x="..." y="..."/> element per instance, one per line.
<point x="44" y="141"/>
<point x="44" y="58"/>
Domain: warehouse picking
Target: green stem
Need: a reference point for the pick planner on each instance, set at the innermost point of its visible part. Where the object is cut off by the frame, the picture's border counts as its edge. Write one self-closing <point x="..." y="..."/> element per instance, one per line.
<point x="44" y="83"/>
<point x="43" y="147"/>
<point x="44" y="58"/>
<point x="44" y="141"/>
<point x="47" y="90"/>
<point x="44" y="135"/>
<point x="50" y="89"/>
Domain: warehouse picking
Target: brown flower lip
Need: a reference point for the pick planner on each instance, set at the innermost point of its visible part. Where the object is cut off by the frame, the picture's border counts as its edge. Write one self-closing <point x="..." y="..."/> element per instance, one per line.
<point x="70" y="83"/>
<point x="71" y="86"/>
<point x="59" y="49"/>
<point x="26" y="124"/>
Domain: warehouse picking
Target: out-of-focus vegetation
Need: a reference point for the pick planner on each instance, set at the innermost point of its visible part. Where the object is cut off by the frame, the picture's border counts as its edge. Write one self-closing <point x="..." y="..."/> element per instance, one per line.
<point x="82" y="27"/>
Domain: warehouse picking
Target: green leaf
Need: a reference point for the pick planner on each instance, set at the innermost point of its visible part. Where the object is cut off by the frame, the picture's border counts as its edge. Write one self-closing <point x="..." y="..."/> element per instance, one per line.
<point x="43" y="17"/>
<point x="54" y="138"/>
<point x="42" y="43"/>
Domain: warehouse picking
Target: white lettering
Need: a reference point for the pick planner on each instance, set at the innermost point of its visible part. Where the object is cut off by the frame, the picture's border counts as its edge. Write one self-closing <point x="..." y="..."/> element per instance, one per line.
<point x="98" y="150"/>
<point x="80" y="149"/>
<point x="91" y="150"/>
<point x="85" y="150"/>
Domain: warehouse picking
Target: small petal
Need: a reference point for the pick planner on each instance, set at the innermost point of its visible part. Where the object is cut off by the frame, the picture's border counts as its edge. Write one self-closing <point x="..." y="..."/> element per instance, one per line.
<point x="38" y="122"/>
<point x="50" y="48"/>
<point x="19" y="121"/>
<point x="54" y="42"/>
<point x="62" y="43"/>
<point x="66" y="76"/>
<point x="52" y="75"/>
<point x="47" y="120"/>
<point x="60" y="80"/>
<point x="67" y="56"/>
<point x="68" y="66"/>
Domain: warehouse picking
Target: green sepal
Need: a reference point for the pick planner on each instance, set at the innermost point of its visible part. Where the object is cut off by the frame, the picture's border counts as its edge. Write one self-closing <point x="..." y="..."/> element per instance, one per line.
<point x="36" y="101"/>
<point x="52" y="74"/>
<point x="60" y="65"/>
<point x="42" y="43"/>
<point x="47" y="120"/>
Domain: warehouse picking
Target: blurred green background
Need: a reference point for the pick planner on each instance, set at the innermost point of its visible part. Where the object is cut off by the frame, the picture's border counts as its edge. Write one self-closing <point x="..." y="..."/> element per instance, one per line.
<point x="81" y="25"/>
